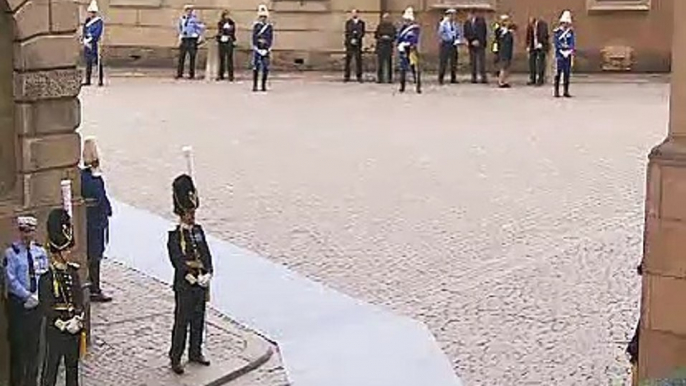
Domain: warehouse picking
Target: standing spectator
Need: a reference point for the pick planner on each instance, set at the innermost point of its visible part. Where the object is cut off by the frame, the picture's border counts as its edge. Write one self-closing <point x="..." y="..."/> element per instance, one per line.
<point x="476" y="34"/>
<point x="449" y="36"/>
<point x="98" y="212"/>
<point x="565" y="48"/>
<point x="25" y="263"/>
<point x="506" y="53"/>
<point x="538" y="45"/>
<point x="226" y="38"/>
<point x="190" y="33"/>
<point x="354" y="36"/>
<point x="385" y="35"/>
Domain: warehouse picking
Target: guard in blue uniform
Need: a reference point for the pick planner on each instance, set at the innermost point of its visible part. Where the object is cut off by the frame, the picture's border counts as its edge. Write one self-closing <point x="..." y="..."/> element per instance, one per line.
<point x="61" y="299"/>
<point x="449" y="36"/>
<point x="262" y="40"/>
<point x="190" y="256"/>
<point x="93" y="28"/>
<point x="565" y="47"/>
<point x="25" y="263"/>
<point x="408" y="42"/>
<point x="98" y="212"/>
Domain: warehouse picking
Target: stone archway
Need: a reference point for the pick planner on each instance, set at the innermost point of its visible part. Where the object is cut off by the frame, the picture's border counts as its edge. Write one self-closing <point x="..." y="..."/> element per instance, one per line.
<point x="39" y="114"/>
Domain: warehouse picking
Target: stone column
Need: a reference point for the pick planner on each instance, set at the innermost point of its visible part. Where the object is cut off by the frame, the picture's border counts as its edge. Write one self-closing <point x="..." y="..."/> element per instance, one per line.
<point x="662" y="352"/>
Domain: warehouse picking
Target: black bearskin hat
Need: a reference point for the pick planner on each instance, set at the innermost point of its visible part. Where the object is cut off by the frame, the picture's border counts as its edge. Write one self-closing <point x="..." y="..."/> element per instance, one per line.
<point x="185" y="196"/>
<point x="60" y="230"/>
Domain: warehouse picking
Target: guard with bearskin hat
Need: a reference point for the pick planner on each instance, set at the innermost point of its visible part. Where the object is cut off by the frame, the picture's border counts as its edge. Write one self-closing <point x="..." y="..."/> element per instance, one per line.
<point x="192" y="262"/>
<point x="61" y="299"/>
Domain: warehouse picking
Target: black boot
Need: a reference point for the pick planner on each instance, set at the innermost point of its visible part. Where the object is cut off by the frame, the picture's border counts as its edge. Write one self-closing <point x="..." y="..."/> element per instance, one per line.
<point x="557" y="87"/>
<point x="566" y="93"/>
<point x="89" y="75"/>
<point x="403" y="80"/>
<point x="264" y="80"/>
<point x="418" y="80"/>
<point x="255" y="75"/>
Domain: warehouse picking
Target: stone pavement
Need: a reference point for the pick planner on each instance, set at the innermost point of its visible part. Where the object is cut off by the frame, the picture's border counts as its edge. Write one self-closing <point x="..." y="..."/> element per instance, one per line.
<point x="508" y="221"/>
<point x="130" y="339"/>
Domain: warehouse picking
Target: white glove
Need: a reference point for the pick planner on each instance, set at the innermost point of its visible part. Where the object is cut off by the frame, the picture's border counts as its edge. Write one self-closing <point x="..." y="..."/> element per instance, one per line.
<point x="401" y="47"/>
<point x="262" y="52"/>
<point x="191" y="279"/>
<point x="204" y="280"/>
<point x="31" y="302"/>
<point x="60" y="324"/>
<point x="74" y="325"/>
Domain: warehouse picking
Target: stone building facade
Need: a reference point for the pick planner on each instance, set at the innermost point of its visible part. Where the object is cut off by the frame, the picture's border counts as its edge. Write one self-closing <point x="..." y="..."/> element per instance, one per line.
<point x="39" y="114"/>
<point x="623" y="35"/>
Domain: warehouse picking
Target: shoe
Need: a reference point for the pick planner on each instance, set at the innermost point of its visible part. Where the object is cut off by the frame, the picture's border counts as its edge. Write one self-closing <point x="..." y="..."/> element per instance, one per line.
<point x="201" y="360"/>
<point x="530" y="83"/>
<point x="177" y="368"/>
<point x="473" y="81"/>
<point x="454" y="81"/>
<point x="567" y="95"/>
<point x="100" y="298"/>
<point x="85" y="84"/>
<point x="484" y="81"/>
<point x="505" y="85"/>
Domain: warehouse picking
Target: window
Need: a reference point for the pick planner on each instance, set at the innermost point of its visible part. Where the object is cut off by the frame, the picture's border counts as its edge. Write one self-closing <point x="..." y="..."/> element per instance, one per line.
<point x="618" y="5"/>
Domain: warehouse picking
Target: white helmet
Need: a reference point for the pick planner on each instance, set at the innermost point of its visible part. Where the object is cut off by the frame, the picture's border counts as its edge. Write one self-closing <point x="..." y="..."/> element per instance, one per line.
<point x="408" y="14"/>
<point x="262" y="10"/>
<point x="93" y="7"/>
<point x="566" y="17"/>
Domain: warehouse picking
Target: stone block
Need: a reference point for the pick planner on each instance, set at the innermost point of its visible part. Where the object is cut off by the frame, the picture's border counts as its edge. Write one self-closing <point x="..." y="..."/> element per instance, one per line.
<point x="653" y="190"/>
<point x="43" y="188"/>
<point x="48" y="117"/>
<point x="309" y="40"/>
<point x="123" y="16"/>
<point x="142" y="36"/>
<point x="665" y="305"/>
<point x="165" y="17"/>
<point x="661" y="356"/>
<point x="51" y="151"/>
<point x="673" y="193"/>
<point x="32" y="19"/>
<point x="136" y="3"/>
<point x="64" y="16"/>
<point x="665" y="243"/>
<point x="364" y="6"/>
<point x="311" y="22"/>
<point x="46" y="52"/>
<point x="301" y="6"/>
<point x="33" y="86"/>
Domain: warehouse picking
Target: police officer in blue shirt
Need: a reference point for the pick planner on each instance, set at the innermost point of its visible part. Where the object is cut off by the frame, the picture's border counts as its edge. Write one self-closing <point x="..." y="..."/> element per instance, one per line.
<point x="92" y="32"/>
<point x="449" y="35"/>
<point x="190" y="33"/>
<point x="565" y="47"/>
<point x="25" y="263"/>
<point x="262" y="39"/>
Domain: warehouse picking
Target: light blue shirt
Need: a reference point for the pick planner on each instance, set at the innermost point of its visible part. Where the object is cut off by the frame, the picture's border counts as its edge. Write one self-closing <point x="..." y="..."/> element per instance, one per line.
<point x="17" y="268"/>
<point x="190" y="27"/>
<point x="448" y="31"/>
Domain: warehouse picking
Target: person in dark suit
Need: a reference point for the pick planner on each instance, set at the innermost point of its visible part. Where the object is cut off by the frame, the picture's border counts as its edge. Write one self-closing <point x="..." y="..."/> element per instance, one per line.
<point x="537" y="45"/>
<point x="385" y="36"/>
<point x="506" y="53"/>
<point x="226" y="38"/>
<point x="190" y="256"/>
<point x="476" y="34"/>
<point x="354" y="36"/>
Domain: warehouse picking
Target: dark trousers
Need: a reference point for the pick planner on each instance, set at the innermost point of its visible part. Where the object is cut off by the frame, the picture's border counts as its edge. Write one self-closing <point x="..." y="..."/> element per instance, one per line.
<point x="447" y="54"/>
<point x="188" y="47"/>
<point x="24" y="333"/>
<point x="384" y="64"/>
<point x="564" y="69"/>
<point x="60" y="345"/>
<point x="537" y="64"/>
<point x="350" y="53"/>
<point x="189" y="312"/>
<point x="226" y="60"/>
<point x="94" y="276"/>
<point x="477" y="61"/>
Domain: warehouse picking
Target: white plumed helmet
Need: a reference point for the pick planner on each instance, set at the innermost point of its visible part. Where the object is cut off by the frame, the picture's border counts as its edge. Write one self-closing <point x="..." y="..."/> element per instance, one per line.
<point x="262" y="10"/>
<point x="93" y="7"/>
<point x="408" y="14"/>
<point x="566" y="17"/>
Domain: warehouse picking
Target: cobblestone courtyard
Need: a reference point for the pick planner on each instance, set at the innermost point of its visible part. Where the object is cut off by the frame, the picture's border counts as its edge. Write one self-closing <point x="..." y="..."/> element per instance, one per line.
<point x="508" y="221"/>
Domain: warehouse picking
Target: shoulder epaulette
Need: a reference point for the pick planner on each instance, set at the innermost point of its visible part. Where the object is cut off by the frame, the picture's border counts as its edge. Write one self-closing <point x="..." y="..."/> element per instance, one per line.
<point x="73" y="265"/>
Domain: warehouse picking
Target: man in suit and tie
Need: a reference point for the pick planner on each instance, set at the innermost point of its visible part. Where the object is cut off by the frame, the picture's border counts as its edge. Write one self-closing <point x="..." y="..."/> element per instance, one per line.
<point x="537" y="45"/>
<point x="476" y="34"/>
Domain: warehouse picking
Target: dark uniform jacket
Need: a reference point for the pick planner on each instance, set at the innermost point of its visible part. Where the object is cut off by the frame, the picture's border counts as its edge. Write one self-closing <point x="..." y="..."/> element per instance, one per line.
<point x="542" y="33"/>
<point x="189" y="253"/>
<point x="229" y="33"/>
<point x="354" y="33"/>
<point x="98" y="212"/>
<point x="506" y="49"/>
<point x="385" y="35"/>
<point x="476" y="30"/>
<point x="60" y="294"/>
